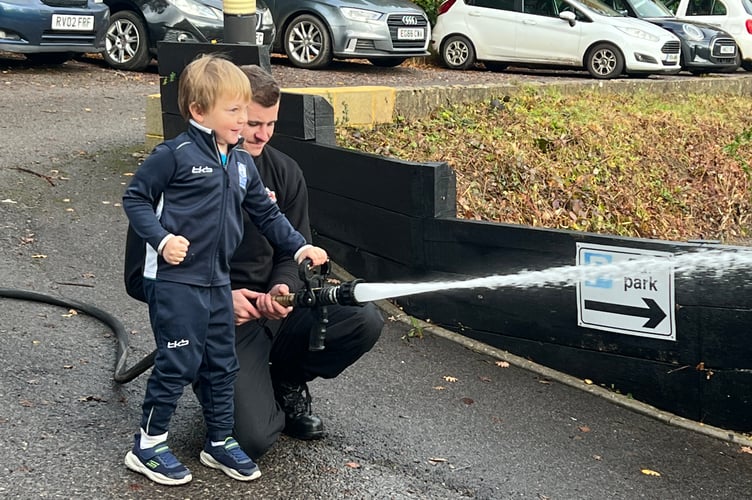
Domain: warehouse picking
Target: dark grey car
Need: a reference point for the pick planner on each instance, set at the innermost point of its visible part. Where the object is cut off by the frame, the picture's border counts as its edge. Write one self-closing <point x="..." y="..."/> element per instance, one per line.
<point x="313" y="32"/>
<point x="705" y="48"/>
<point x="137" y="25"/>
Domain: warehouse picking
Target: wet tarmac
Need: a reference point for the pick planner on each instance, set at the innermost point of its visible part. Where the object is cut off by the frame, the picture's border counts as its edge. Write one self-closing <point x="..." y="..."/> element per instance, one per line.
<point x="417" y="418"/>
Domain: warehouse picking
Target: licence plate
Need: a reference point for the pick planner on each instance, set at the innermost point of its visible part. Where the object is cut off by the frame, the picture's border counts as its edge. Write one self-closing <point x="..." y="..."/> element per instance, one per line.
<point x="728" y="49"/>
<point x="72" y="23"/>
<point x="411" y="33"/>
<point x="672" y="58"/>
<point x="259" y="38"/>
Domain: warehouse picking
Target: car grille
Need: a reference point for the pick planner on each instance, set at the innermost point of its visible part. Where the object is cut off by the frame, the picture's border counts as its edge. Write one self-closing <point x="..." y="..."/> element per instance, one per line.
<point x="723" y="42"/>
<point x="395" y="21"/>
<point x="671" y="47"/>
<point x="65" y="3"/>
<point x="70" y="38"/>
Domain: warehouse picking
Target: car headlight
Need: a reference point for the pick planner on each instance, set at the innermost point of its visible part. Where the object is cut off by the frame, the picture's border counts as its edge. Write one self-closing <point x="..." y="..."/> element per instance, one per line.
<point x="638" y="33"/>
<point x="197" y="9"/>
<point x="360" y="15"/>
<point x="266" y="16"/>
<point x="692" y="32"/>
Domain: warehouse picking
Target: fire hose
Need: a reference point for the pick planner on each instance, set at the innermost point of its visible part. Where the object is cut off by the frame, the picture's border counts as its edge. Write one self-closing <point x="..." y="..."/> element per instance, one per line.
<point x="317" y="294"/>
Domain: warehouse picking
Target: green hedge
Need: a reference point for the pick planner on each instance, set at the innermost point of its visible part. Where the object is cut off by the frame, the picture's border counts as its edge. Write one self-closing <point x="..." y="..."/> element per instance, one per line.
<point x="431" y="7"/>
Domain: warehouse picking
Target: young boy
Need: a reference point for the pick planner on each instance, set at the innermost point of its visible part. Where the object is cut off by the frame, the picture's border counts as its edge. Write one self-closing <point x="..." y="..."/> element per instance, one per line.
<point x="186" y="203"/>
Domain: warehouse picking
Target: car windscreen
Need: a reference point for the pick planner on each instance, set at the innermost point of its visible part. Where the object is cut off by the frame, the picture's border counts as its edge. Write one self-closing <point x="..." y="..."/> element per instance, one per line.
<point x="595" y="6"/>
<point x="651" y="8"/>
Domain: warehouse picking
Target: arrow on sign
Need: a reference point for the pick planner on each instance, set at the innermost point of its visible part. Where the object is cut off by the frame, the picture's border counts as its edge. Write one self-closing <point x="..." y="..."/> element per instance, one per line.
<point x="653" y="312"/>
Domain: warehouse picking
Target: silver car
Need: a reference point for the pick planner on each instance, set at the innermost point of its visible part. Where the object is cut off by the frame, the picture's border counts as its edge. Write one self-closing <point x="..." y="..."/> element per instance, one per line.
<point x="314" y="32"/>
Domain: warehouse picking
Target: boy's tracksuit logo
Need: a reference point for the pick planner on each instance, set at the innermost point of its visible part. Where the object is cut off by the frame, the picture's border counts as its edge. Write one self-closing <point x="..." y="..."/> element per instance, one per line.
<point x="242" y="175"/>
<point x="201" y="169"/>
<point x="174" y="344"/>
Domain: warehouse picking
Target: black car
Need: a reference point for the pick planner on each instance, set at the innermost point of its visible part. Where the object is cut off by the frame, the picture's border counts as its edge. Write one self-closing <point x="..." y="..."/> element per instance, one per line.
<point x="137" y="25"/>
<point x="704" y="48"/>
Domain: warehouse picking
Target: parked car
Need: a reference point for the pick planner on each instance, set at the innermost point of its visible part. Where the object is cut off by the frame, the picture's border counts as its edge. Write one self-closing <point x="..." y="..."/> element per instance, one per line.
<point x="137" y="25"/>
<point x="705" y="48"/>
<point x="733" y="16"/>
<point x="576" y="33"/>
<point x="51" y="32"/>
<point x="314" y="32"/>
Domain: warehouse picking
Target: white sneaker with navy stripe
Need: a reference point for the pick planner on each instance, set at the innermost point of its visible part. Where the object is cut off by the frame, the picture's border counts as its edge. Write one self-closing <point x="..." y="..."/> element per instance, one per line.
<point x="158" y="464"/>
<point x="230" y="459"/>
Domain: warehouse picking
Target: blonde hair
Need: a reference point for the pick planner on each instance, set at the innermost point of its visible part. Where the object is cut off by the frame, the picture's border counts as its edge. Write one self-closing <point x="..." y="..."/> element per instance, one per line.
<point x="206" y="79"/>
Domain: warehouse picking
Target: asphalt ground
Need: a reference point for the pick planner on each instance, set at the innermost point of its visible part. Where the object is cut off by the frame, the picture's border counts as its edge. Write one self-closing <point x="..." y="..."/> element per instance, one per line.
<point x="417" y="418"/>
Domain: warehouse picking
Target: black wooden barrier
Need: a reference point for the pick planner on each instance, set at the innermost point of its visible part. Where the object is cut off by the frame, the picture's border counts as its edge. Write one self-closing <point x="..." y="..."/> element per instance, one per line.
<point x="389" y="220"/>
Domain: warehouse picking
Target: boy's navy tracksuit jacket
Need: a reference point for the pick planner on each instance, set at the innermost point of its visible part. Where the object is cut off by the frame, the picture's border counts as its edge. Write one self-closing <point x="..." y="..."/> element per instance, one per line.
<point x="193" y="195"/>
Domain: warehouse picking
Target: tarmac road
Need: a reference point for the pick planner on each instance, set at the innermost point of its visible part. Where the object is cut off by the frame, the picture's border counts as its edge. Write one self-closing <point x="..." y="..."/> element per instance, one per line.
<point x="420" y="419"/>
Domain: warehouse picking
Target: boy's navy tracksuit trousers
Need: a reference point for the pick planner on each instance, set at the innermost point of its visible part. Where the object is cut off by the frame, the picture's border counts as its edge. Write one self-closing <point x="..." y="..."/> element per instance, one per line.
<point x="194" y="332"/>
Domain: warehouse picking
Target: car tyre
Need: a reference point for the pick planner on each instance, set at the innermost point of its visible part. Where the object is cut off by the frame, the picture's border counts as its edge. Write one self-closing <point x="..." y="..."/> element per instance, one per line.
<point x="127" y="42"/>
<point x="604" y="61"/>
<point x="387" y="62"/>
<point x="457" y="52"/>
<point x="49" y="58"/>
<point x="746" y="65"/>
<point x="307" y="42"/>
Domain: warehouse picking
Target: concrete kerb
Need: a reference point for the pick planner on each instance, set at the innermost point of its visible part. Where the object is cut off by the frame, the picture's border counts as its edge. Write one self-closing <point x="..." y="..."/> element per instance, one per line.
<point x="366" y="106"/>
<point x="413" y="103"/>
<point x="394" y="313"/>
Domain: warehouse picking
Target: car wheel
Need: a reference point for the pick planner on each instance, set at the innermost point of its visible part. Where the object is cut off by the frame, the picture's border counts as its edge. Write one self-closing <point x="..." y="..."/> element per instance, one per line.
<point x="388" y="62"/>
<point x="307" y="42"/>
<point x="126" y="42"/>
<point x="49" y="58"/>
<point x="458" y="53"/>
<point x="746" y="65"/>
<point x="604" y="61"/>
<point x="495" y="66"/>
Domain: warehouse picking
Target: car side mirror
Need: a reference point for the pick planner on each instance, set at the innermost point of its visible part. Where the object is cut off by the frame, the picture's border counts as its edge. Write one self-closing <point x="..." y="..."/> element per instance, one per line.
<point x="568" y="16"/>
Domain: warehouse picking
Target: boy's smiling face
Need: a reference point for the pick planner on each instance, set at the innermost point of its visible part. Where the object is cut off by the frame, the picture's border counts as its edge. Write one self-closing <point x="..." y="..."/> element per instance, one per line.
<point x="227" y="118"/>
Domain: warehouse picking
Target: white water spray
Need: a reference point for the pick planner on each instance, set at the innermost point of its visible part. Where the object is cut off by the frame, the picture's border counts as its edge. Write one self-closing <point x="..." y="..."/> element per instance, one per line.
<point x="718" y="262"/>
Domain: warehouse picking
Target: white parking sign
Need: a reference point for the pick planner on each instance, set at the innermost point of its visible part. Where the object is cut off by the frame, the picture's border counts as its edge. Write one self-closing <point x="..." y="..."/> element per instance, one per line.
<point x="634" y="295"/>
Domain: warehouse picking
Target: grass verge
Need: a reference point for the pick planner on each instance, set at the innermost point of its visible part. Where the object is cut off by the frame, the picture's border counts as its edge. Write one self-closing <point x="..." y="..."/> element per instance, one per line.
<point x="674" y="167"/>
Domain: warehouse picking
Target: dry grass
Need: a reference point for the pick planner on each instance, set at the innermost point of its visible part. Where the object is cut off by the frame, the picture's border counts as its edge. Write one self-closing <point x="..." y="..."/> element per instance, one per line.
<point x="653" y="166"/>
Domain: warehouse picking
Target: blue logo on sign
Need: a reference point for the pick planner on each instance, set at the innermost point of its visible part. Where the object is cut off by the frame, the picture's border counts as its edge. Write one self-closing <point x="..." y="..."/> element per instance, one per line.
<point x="598" y="259"/>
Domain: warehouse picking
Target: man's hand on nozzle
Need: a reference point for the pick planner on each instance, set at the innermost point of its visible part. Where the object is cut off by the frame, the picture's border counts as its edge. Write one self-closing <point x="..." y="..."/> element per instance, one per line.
<point x="317" y="255"/>
<point x="270" y="308"/>
<point x="249" y="305"/>
<point x="243" y="305"/>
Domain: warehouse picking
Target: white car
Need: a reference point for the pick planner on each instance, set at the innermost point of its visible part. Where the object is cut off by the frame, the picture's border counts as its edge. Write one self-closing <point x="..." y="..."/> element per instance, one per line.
<point x="732" y="16"/>
<point x="576" y="33"/>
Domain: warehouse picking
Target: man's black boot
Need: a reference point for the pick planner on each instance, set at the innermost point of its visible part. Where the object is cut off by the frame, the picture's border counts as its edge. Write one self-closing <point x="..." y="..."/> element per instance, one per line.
<point x="295" y="401"/>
